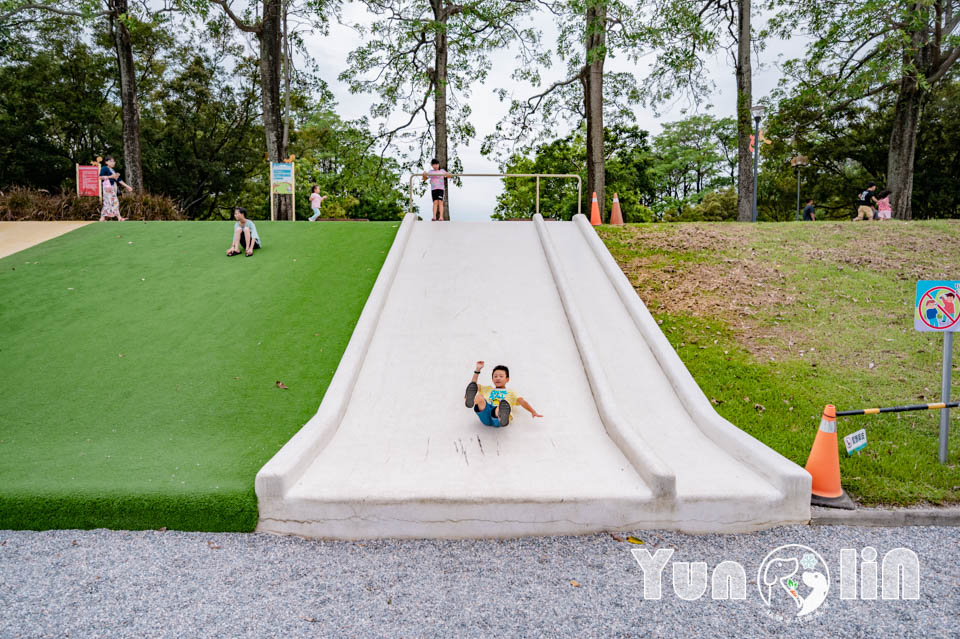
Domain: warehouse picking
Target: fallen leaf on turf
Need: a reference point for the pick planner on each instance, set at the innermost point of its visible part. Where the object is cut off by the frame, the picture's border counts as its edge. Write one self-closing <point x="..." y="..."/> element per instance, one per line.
<point x="634" y="540"/>
<point x="574" y="583"/>
<point x="121" y="355"/>
<point x="616" y="537"/>
<point x="316" y="334"/>
<point x="129" y="242"/>
<point x="281" y="385"/>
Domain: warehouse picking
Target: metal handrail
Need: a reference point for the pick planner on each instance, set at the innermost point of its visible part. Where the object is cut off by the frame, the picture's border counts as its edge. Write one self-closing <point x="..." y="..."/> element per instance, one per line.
<point x="503" y="175"/>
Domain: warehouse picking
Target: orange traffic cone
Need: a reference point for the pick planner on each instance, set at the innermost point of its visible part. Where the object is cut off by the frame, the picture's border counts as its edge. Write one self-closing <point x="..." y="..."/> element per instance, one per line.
<point x="595" y="211"/>
<point x="616" y="216"/>
<point x="823" y="464"/>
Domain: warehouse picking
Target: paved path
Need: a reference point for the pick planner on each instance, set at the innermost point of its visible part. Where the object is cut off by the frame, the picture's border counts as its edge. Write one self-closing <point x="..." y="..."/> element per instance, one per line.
<point x="120" y="584"/>
<point x="16" y="236"/>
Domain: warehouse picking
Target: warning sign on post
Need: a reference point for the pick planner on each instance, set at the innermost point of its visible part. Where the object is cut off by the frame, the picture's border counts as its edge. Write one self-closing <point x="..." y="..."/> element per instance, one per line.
<point x="938" y="306"/>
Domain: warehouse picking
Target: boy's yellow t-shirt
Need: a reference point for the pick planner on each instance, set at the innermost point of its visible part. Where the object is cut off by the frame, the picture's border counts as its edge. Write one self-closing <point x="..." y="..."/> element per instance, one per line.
<point x="493" y="395"/>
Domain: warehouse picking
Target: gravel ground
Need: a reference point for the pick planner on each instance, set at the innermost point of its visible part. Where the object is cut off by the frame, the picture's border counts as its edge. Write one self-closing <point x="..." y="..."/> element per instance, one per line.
<point x="101" y="583"/>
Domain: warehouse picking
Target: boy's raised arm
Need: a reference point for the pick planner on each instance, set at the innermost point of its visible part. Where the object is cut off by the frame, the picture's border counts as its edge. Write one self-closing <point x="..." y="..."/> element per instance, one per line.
<point x="476" y="371"/>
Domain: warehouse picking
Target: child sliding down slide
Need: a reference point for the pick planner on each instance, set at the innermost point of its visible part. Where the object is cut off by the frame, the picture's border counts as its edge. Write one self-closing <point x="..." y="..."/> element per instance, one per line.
<point x="493" y="404"/>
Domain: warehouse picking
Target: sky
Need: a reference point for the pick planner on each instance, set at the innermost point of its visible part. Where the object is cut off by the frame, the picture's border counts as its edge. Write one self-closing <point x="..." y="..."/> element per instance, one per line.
<point x="476" y="199"/>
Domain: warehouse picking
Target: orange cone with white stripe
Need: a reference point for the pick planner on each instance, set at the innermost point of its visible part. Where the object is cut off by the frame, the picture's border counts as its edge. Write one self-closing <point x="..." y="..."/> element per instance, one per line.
<point x="595" y="211"/>
<point x="616" y="216"/>
<point x="823" y="464"/>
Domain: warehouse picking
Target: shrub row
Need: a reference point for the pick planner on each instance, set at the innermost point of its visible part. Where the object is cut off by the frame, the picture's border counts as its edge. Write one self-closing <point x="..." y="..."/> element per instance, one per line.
<point x="19" y="204"/>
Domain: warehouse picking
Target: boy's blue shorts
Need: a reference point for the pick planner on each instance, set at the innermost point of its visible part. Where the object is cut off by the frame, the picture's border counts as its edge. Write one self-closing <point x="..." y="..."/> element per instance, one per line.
<point x="486" y="416"/>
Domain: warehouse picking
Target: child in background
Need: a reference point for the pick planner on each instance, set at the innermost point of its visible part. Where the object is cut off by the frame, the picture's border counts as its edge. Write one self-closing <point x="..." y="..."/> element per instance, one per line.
<point x="315" y="200"/>
<point x="436" y="175"/>
<point x="884" y="210"/>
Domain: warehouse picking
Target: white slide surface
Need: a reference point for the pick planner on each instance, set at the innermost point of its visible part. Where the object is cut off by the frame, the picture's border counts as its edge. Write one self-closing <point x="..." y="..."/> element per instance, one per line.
<point x="627" y="441"/>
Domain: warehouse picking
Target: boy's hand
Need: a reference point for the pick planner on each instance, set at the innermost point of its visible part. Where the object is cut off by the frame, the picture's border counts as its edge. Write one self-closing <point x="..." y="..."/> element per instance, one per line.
<point x="479" y="366"/>
<point x="536" y="414"/>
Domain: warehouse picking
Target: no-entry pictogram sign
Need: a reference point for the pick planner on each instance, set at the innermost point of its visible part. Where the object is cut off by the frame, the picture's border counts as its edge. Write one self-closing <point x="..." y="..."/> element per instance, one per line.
<point x="937" y="306"/>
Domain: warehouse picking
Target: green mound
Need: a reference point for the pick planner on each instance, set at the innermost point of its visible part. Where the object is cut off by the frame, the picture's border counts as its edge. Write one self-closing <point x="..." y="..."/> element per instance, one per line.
<point x="776" y="320"/>
<point x="140" y="366"/>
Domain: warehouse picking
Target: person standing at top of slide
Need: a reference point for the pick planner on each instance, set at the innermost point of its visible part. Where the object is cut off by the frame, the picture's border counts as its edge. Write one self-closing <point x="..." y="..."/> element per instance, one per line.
<point x="436" y="176"/>
<point x="110" y="178"/>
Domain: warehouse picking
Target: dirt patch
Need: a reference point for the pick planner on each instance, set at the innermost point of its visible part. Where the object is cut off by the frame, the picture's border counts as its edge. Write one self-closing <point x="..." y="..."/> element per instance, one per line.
<point x="746" y="275"/>
<point x="905" y="249"/>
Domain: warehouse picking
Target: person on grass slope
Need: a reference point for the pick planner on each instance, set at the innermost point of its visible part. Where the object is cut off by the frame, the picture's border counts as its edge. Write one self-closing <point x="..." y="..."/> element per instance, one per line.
<point x="245" y="234"/>
<point x="494" y="404"/>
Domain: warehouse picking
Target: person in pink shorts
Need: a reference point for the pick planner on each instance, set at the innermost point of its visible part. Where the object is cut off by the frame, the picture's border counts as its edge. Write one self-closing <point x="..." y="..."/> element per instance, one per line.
<point x="884" y="211"/>
<point x="436" y="176"/>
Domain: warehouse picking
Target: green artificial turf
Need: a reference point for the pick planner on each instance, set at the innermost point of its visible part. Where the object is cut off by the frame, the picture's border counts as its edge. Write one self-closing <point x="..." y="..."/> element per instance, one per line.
<point x="140" y="366"/>
<point x="776" y="320"/>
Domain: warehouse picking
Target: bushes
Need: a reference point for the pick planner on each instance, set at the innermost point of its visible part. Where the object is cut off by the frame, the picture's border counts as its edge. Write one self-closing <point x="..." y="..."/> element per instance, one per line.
<point x="20" y="204"/>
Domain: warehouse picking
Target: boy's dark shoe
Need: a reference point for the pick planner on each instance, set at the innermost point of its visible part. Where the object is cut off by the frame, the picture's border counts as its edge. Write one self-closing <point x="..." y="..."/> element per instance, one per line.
<point x="472" y="390"/>
<point x="503" y="412"/>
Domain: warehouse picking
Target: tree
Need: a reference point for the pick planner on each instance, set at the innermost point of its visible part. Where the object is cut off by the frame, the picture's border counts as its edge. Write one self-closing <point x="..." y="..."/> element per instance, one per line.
<point x="626" y="164"/>
<point x="202" y="128"/>
<point x="603" y="27"/>
<point x="121" y="19"/>
<point x="686" y="34"/>
<point x="865" y="49"/>
<point x="423" y="51"/>
<point x="846" y="149"/>
<point x="54" y="108"/>
<point x="694" y="155"/>
<point x="335" y="154"/>
<point x="267" y="21"/>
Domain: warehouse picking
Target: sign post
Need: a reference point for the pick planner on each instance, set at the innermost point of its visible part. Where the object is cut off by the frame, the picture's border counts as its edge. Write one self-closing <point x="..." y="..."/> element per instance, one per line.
<point x="282" y="183"/>
<point x="938" y="311"/>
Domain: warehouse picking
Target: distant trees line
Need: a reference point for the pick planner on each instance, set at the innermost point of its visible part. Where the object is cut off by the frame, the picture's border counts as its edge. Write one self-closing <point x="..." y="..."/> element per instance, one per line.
<point x="196" y="95"/>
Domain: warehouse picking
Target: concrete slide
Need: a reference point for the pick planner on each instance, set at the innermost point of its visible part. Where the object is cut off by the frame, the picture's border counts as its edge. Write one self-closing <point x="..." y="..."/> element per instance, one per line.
<point x="628" y="440"/>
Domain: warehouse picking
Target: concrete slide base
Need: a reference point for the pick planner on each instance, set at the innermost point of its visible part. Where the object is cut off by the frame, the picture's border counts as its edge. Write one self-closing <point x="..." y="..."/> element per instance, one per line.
<point x="628" y="441"/>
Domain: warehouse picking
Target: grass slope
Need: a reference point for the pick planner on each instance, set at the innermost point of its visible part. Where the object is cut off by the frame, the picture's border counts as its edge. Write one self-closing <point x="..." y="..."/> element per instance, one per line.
<point x="139" y="366"/>
<point x="776" y="320"/>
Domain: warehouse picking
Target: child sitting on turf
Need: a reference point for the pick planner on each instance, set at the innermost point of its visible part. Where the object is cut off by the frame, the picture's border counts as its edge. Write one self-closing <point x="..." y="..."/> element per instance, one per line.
<point x="493" y="404"/>
<point x="245" y="234"/>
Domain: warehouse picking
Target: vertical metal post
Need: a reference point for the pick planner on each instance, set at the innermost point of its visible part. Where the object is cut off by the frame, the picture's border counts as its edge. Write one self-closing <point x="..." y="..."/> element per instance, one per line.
<point x="799" y="167"/>
<point x="756" y="158"/>
<point x="538" y="195"/>
<point x="579" y="194"/>
<point x="410" y="202"/>
<point x="945" y="394"/>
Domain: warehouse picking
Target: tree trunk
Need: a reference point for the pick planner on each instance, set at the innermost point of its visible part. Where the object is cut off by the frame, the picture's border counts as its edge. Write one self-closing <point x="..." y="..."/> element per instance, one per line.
<point x="592" y="80"/>
<point x="744" y="128"/>
<point x="130" y="109"/>
<point x="440" y="98"/>
<point x="903" y="145"/>
<point x="271" y="56"/>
